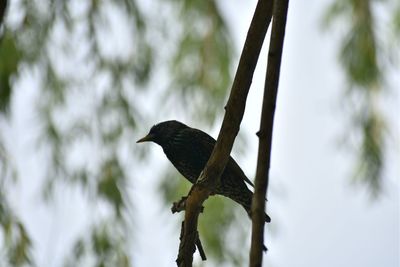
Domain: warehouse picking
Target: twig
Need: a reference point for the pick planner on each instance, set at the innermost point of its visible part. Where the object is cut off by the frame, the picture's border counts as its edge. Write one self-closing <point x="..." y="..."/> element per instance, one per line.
<point x="179" y="205"/>
<point x="234" y="111"/>
<point x="198" y="243"/>
<point x="200" y="248"/>
<point x="266" y="129"/>
<point x="193" y="208"/>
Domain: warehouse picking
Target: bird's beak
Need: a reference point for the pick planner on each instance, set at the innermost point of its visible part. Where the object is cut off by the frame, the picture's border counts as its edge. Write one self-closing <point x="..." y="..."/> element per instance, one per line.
<point x="147" y="138"/>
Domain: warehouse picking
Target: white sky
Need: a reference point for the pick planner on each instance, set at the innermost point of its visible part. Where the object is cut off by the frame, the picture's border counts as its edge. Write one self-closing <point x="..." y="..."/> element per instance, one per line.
<point x="319" y="217"/>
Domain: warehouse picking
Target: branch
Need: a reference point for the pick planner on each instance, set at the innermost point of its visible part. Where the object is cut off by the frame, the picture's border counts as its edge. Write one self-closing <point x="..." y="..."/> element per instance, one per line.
<point x="234" y="110"/>
<point x="266" y="129"/>
<point x="198" y="242"/>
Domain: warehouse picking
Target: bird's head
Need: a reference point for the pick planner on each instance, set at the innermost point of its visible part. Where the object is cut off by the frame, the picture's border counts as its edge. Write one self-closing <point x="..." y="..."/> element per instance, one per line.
<point x="163" y="132"/>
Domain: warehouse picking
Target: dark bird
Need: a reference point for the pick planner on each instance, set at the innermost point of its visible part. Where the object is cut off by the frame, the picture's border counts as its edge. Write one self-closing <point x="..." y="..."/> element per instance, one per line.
<point x="189" y="149"/>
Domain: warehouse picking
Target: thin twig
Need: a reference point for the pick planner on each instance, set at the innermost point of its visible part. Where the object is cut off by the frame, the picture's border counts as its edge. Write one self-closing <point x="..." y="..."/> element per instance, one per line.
<point x="179" y="206"/>
<point x="266" y="129"/>
<point x="200" y="248"/>
<point x="198" y="243"/>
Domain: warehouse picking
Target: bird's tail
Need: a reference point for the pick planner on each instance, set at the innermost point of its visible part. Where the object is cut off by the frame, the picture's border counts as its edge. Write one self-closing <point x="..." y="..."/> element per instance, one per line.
<point x="246" y="204"/>
<point x="240" y="194"/>
<point x="248" y="210"/>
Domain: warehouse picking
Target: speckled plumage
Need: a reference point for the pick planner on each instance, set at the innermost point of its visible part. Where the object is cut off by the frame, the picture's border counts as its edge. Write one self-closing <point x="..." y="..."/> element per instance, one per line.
<point x="189" y="149"/>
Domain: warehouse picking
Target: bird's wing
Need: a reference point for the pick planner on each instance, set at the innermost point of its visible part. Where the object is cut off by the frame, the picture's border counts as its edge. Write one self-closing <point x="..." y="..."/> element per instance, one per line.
<point x="197" y="147"/>
<point x="202" y="142"/>
<point x="236" y="169"/>
<point x="206" y="145"/>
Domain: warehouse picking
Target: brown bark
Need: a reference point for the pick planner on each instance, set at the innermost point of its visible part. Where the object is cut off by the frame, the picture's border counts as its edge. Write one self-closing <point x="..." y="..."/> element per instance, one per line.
<point x="266" y="129"/>
<point x="234" y="111"/>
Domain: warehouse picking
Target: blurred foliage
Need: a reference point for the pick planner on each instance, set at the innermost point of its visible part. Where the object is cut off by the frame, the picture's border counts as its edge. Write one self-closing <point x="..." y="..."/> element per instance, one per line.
<point x="364" y="61"/>
<point x="108" y="186"/>
<point x="93" y="61"/>
<point x="10" y="57"/>
<point x="16" y="241"/>
<point x="108" y="245"/>
<point x="202" y="58"/>
<point x="98" y="65"/>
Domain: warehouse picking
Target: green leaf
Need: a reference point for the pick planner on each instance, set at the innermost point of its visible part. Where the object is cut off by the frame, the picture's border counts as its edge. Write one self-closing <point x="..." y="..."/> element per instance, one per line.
<point x="108" y="187"/>
<point x="10" y="57"/>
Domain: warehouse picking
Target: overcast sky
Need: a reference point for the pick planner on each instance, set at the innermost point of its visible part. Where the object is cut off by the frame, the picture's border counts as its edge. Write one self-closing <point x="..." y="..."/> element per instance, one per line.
<point x="319" y="217"/>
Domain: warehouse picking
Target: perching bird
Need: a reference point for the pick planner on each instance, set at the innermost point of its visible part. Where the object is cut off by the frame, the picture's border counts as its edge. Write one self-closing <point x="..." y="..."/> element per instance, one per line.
<point x="189" y="149"/>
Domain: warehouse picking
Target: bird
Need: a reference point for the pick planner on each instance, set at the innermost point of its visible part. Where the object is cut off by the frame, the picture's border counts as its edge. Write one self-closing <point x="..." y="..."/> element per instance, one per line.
<point x="189" y="149"/>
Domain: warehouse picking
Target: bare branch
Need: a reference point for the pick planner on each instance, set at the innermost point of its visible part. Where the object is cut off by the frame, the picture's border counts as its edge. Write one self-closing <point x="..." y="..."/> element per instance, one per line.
<point x="234" y="110"/>
<point x="179" y="206"/>
<point x="190" y="235"/>
<point x="266" y="129"/>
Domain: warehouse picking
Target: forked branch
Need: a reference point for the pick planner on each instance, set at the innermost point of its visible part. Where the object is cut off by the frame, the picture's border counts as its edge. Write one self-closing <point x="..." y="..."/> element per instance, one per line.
<point x="234" y="110"/>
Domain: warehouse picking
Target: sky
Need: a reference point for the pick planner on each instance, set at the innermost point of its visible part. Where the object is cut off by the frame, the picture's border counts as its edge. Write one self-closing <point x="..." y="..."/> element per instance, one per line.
<point x="319" y="217"/>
